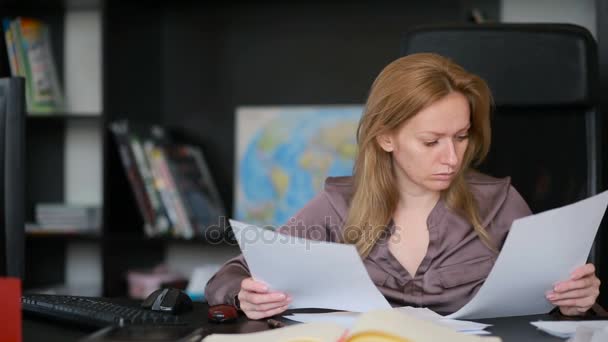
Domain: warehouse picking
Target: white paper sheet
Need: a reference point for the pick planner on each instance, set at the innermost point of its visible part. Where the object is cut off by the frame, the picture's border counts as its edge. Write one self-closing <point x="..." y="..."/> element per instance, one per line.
<point x="565" y="329"/>
<point x="347" y="319"/>
<point x="539" y="251"/>
<point x="315" y="274"/>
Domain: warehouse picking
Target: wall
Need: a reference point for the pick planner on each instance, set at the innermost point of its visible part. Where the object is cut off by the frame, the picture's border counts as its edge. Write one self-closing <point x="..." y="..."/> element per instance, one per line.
<point x="580" y="12"/>
<point x="82" y="84"/>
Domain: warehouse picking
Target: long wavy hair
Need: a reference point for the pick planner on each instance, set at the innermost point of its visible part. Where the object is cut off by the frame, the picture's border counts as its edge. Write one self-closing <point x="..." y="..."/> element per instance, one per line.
<point x="401" y="90"/>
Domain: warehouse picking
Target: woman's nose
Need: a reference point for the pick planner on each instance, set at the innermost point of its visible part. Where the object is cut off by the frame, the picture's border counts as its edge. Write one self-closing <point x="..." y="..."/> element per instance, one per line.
<point x="449" y="154"/>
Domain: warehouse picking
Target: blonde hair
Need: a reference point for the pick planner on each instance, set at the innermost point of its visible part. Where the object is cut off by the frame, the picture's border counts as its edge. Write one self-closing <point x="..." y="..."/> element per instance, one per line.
<point x="401" y="90"/>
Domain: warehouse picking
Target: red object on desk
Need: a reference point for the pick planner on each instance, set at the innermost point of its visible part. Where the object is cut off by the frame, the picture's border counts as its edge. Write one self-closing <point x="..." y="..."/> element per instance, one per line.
<point x="10" y="310"/>
<point x="222" y="313"/>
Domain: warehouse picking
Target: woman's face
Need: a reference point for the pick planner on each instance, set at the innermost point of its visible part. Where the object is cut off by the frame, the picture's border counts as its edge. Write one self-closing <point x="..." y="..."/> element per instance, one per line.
<point x="428" y="149"/>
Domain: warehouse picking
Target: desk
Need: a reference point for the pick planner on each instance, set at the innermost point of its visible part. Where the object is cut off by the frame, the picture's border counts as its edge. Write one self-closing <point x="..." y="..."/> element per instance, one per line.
<point x="511" y="329"/>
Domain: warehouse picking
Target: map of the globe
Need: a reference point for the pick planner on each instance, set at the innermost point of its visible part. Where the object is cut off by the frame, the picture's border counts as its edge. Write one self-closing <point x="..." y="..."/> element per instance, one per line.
<point x="284" y="154"/>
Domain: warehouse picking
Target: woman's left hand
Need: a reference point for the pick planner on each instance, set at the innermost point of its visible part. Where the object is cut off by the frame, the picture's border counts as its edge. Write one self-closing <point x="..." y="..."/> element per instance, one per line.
<point x="578" y="294"/>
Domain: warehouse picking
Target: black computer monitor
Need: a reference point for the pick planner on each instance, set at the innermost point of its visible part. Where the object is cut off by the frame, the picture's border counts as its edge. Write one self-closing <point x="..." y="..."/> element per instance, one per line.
<point x="12" y="179"/>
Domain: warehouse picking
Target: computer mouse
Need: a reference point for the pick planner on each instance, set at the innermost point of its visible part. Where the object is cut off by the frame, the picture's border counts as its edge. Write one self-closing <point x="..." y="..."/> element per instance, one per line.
<point x="170" y="300"/>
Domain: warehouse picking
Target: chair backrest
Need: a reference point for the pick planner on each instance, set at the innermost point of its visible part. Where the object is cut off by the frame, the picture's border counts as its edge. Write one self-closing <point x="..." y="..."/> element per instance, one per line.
<point x="543" y="77"/>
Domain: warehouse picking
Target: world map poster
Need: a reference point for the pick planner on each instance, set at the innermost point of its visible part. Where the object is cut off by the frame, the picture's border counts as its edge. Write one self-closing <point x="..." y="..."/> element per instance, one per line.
<point x="284" y="154"/>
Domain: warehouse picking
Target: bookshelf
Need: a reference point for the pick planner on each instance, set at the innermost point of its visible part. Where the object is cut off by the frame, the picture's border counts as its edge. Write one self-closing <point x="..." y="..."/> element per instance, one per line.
<point x="53" y="141"/>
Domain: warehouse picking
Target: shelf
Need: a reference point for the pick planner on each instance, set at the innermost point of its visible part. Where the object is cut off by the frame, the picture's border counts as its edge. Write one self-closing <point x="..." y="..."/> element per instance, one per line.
<point x="90" y="290"/>
<point x="195" y="241"/>
<point x="65" y="235"/>
<point x="51" y="4"/>
<point x="63" y="117"/>
<point x="141" y="238"/>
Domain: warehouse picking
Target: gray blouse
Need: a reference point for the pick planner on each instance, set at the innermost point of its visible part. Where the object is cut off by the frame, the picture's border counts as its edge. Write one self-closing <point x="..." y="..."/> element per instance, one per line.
<point x="456" y="262"/>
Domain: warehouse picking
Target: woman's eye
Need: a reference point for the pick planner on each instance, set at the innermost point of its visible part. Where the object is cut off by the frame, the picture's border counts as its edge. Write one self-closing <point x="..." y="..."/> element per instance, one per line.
<point x="462" y="137"/>
<point x="430" y="143"/>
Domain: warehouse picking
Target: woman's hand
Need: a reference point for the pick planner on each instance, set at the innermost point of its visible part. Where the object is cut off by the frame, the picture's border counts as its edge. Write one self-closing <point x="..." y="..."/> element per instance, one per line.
<point x="578" y="294"/>
<point x="257" y="302"/>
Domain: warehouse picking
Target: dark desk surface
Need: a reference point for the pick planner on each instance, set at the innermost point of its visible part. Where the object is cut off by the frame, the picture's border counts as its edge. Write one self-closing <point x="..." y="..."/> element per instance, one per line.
<point x="511" y="329"/>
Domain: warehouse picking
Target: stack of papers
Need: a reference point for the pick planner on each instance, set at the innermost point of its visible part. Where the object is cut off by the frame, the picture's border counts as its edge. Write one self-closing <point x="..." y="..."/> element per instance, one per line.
<point x="376" y="325"/>
<point x="580" y="331"/>
<point x="347" y="319"/>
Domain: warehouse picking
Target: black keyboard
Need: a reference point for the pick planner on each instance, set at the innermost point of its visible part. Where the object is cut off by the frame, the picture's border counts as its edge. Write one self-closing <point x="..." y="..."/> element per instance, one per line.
<point x="91" y="311"/>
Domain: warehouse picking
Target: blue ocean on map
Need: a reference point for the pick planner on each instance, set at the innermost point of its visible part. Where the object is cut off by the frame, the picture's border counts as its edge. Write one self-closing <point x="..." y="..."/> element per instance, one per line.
<point x="286" y="161"/>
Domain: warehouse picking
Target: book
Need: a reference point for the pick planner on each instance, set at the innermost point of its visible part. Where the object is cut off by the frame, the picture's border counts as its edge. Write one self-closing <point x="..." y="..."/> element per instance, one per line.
<point x="168" y="191"/>
<point x="386" y="325"/>
<point x="9" y="50"/>
<point x="29" y="48"/>
<point x="53" y="216"/>
<point x="120" y="130"/>
<point x="162" y="224"/>
<point x="171" y="181"/>
<point x="195" y="186"/>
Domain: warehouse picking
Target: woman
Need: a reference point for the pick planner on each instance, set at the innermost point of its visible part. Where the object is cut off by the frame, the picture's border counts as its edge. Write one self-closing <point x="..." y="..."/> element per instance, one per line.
<point x="427" y="226"/>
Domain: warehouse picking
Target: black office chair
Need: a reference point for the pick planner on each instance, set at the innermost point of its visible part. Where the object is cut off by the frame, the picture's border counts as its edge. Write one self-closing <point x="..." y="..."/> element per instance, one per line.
<point x="545" y="126"/>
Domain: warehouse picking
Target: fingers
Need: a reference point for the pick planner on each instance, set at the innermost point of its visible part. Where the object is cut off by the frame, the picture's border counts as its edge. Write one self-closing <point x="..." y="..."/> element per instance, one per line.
<point x="583" y="303"/>
<point x="572" y="311"/>
<point x="251" y="285"/>
<point x="260" y="298"/>
<point x="576" y="301"/>
<point x="577" y="295"/>
<point x="581" y="283"/>
<point x="257" y="306"/>
<point x="573" y="294"/>
<point x="583" y="271"/>
<point x="264" y="306"/>
<point x="264" y="314"/>
<point x="257" y="302"/>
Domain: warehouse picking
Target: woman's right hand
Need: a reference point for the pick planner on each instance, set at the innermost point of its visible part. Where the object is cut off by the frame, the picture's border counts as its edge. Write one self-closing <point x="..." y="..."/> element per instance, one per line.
<point x="257" y="302"/>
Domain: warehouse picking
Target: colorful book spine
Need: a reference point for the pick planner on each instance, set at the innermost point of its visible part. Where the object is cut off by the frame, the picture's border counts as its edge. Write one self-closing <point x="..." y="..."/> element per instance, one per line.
<point x="186" y="230"/>
<point x="162" y="224"/>
<point x="193" y="184"/>
<point x="207" y="179"/>
<point x="35" y="62"/>
<point x="10" y="47"/>
<point x="19" y="54"/>
<point x="161" y="184"/>
<point x="120" y="132"/>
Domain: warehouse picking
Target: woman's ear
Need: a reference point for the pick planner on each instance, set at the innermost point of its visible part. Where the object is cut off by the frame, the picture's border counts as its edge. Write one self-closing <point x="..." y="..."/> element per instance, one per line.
<point x="386" y="142"/>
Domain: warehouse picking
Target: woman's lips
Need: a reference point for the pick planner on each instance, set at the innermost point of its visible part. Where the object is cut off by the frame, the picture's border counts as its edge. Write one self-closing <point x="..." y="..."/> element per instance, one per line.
<point x="443" y="176"/>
